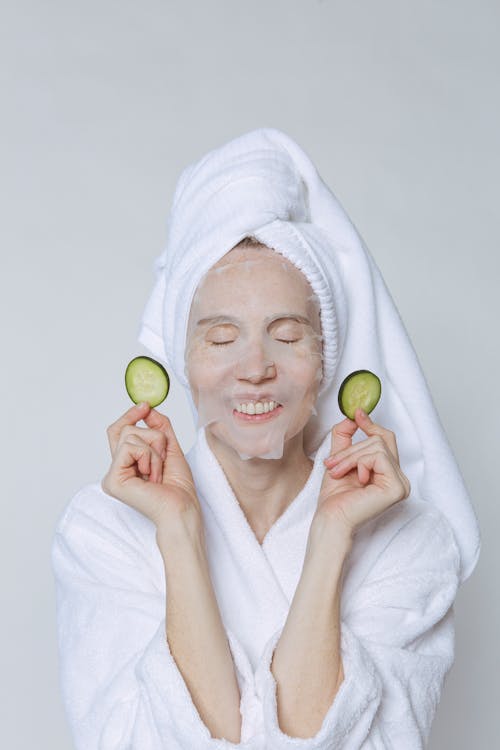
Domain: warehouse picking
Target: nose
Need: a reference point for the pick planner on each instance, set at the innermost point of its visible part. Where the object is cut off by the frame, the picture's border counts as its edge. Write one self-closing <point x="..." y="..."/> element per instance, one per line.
<point x="255" y="364"/>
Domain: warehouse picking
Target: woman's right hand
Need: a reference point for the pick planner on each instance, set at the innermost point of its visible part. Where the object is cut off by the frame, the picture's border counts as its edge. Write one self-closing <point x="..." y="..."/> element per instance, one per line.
<point x="149" y="471"/>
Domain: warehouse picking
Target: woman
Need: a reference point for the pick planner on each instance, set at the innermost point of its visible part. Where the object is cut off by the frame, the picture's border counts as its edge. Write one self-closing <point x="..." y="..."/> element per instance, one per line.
<point x="281" y="585"/>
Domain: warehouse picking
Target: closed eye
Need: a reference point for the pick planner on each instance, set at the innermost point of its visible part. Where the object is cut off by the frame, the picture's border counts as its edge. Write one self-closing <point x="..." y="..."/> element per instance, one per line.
<point x="225" y="343"/>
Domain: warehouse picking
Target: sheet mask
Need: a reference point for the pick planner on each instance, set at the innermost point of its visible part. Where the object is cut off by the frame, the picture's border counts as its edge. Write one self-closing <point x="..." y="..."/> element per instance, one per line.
<point x="251" y="353"/>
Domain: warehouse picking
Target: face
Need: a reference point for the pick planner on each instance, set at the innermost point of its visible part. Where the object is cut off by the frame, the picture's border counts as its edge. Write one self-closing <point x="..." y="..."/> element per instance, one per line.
<point x="254" y="333"/>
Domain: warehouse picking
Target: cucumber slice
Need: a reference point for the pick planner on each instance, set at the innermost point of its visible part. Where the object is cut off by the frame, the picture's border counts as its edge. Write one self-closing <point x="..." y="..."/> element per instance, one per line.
<point x="146" y="380"/>
<point x="361" y="389"/>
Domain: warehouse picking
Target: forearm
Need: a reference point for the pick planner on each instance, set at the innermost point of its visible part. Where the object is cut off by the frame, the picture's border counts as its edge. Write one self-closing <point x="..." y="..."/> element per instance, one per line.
<point x="196" y="634"/>
<point x="307" y="663"/>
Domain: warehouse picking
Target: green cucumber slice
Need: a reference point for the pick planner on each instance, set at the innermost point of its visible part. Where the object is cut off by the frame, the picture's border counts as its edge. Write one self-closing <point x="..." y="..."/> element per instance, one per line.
<point x="361" y="389"/>
<point x="146" y="380"/>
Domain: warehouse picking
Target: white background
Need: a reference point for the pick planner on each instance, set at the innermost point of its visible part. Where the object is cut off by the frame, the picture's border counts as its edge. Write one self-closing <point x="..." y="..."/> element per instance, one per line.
<point x="103" y="103"/>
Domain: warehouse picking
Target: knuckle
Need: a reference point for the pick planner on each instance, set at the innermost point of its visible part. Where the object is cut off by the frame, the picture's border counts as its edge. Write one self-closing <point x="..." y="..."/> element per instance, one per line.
<point x="126" y="443"/>
<point x="127" y="431"/>
<point x="106" y="484"/>
<point x="405" y="488"/>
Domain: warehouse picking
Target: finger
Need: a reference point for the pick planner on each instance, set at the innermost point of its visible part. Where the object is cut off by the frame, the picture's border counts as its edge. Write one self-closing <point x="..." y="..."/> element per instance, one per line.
<point x="175" y="462"/>
<point x="131" y="416"/>
<point x="154" y="438"/>
<point x="363" y="473"/>
<point x="387" y="477"/>
<point x="342" y="434"/>
<point x="131" y="453"/>
<point x="162" y="422"/>
<point x="149" y="464"/>
<point x="144" y="462"/>
<point x="371" y="443"/>
<point x="127" y="458"/>
<point x="377" y="461"/>
<point x="156" y="468"/>
<point x="372" y="428"/>
<point x="157" y="420"/>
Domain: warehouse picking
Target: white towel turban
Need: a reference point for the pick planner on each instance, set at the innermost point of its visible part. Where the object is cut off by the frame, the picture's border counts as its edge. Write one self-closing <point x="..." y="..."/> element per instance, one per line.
<point x="262" y="184"/>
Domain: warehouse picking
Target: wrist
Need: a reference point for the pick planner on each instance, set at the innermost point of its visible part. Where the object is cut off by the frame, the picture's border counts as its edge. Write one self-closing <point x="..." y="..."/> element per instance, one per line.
<point x="329" y="536"/>
<point x="180" y="531"/>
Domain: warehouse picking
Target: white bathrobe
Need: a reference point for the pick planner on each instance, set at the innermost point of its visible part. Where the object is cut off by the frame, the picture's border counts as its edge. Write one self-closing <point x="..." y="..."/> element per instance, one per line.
<point x="121" y="687"/>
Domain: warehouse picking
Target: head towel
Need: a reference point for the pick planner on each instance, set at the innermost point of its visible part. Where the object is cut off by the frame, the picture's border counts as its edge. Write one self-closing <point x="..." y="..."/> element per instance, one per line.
<point x="262" y="184"/>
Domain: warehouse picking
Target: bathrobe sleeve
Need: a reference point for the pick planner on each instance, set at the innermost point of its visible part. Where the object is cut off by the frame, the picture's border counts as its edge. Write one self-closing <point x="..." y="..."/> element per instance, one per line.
<point x="397" y="645"/>
<point x="121" y="687"/>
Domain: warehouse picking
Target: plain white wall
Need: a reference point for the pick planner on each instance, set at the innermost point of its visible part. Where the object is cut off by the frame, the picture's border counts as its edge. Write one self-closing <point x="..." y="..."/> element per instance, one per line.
<point x="103" y="104"/>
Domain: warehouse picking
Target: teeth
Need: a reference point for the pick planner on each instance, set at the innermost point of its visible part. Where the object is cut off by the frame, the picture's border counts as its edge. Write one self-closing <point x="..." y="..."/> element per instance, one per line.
<point x="259" y="407"/>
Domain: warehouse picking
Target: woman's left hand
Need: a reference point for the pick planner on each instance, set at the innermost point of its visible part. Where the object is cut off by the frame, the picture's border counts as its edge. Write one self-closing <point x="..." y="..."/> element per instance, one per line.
<point x="361" y="480"/>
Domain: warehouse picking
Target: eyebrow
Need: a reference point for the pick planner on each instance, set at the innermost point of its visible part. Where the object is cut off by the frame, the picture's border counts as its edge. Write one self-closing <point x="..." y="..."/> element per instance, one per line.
<point x="232" y="319"/>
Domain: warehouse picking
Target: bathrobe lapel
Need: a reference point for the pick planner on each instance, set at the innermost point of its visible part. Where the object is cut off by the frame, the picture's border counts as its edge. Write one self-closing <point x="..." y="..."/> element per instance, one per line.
<point x="254" y="584"/>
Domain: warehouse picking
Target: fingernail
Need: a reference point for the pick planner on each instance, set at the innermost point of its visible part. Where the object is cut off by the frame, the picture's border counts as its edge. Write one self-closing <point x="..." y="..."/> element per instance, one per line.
<point x="363" y="413"/>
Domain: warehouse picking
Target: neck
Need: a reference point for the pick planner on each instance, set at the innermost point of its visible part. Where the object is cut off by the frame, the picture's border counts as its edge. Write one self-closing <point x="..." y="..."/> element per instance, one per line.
<point x="264" y="487"/>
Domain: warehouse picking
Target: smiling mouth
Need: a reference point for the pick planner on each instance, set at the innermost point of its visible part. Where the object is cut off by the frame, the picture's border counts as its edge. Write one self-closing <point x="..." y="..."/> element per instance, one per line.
<point x="260" y="406"/>
<point x="264" y="417"/>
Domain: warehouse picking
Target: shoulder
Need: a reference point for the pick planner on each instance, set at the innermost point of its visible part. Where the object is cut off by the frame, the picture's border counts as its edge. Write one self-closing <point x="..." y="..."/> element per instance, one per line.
<point x="99" y="535"/>
<point x="410" y="579"/>
<point x="421" y="534"/>
<point x="91" y="505"/>
<point x="412" y="538"/>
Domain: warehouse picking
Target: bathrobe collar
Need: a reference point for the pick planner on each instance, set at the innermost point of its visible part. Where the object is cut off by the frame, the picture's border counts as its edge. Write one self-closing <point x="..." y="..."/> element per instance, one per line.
<point x="255" y="584"/>
<point x="269" y="572"/>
